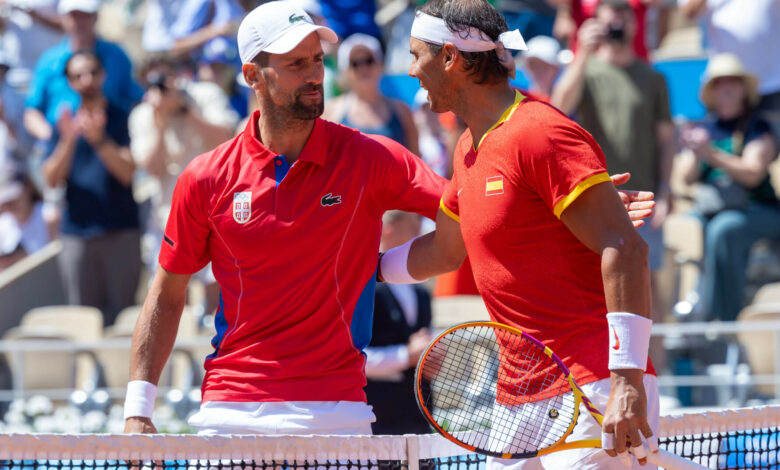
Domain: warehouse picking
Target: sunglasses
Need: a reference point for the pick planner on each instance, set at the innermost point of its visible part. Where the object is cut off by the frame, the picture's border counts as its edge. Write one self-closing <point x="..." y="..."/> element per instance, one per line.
<point x="367" y="62"/>
<point x="78" y="76"/>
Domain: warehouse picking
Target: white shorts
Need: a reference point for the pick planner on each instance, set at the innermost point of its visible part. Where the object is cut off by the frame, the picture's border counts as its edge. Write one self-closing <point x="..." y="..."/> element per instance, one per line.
<point x="587" y="428"/>
<point x="289" y="417"/>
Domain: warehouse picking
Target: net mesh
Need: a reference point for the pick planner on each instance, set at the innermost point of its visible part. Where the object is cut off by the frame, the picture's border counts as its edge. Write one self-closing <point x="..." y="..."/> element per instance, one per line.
<point x="735" y="439"/>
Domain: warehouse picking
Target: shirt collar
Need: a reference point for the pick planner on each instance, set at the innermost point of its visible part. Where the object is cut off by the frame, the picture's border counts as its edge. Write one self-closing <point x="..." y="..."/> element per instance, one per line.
<point x="315" y="150"/>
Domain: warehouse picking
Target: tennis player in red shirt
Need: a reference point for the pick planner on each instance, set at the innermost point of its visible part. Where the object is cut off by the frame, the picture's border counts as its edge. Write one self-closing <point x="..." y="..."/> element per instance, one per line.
<point x="289" y="213"/>
<point x="552" y="249"/>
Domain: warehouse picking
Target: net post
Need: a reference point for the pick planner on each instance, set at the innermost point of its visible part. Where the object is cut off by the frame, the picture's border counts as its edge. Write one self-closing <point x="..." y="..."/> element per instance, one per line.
<point x="412" y="451"/>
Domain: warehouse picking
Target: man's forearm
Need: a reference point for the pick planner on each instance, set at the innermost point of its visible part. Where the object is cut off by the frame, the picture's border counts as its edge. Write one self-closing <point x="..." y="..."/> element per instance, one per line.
<point x="626" y="276"/>
<point x="430" y="257"/>
<point x="56" y="168"/>
<point x="155" y="334"/>
<point x="36" y="124"/>
<point x="567" y="94"/>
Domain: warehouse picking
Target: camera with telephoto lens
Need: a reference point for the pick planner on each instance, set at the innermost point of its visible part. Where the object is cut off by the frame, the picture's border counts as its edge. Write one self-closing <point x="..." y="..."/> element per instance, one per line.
<point x="616" y="33"/>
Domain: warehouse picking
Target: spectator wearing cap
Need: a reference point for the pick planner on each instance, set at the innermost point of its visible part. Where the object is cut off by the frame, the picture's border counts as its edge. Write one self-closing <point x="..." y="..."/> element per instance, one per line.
<point x="50" y="92"/>
<point x="746" y="28"/>
<point x="202" y="24"/>
<point x="364" y="107"/>
<point x="24" y="229"/>
<point x="89" y="154"/>
<point x="728" y="155"/>
<point x="541" y="64"/>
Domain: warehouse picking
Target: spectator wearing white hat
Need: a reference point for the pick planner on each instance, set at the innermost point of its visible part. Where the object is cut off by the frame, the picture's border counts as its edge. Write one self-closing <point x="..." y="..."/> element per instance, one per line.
<point x="728" y="156"/>
<point x="50" y="92"/>
<point x="364" y="106"/>
<point x="542" y="64"/>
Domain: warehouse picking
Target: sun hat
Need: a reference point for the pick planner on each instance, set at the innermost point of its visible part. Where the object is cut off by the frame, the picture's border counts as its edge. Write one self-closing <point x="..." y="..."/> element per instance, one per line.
<point x="544" y="48"/>
<point x="727" y="65"/>
<point x="276" y="27"/>
<point x="359" y="39"/>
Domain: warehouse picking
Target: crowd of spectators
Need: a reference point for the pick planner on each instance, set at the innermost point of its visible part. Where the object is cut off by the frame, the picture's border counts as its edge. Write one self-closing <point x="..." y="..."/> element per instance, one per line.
<point x="92" y="142"/>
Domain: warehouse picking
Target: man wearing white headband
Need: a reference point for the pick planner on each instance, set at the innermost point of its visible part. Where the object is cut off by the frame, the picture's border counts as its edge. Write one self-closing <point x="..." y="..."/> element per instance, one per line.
<point x="552" y="250"/>
<point x="289" y="213"/>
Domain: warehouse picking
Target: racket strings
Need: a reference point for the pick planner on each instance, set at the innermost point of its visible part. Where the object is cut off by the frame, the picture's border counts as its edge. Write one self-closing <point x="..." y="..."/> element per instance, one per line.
<point x="496" y="390"/>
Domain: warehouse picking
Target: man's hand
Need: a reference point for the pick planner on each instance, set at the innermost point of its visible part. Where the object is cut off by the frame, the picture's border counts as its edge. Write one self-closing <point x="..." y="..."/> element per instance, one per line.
<point x="138" y="425"/>
<point x="418" y="341"/>
<point x="639" y="204"/>
<point x="93" y="124"/>
<point x="590" y="35"/>
<point x="626" y="413"/>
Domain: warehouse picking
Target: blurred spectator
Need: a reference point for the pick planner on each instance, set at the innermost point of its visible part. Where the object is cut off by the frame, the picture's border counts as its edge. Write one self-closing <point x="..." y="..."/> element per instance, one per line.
<point x="29" y="28"/>
<point x="624" y="104"/>
<point x="746" y="28"/>
<point x="573" y="13"/>
<point x="218" y="67"/>
<point x="11" y="109"/>
<point x="50" y="92"/>
<point x="90" y="154"/>
<point x="541" y="64"/>
<point x="161" y="15"/>
<point x="22" y="222"/>
<point x="532" y="17"/>
<point x="178" y="120"/>
<point x="364" y="107"/>
<point x="432" y="138"/>
<point x="204" y="24"/>
<point x="729" y="154"/>
<point x="402" y="318"/>
<point x="347" y="17"/>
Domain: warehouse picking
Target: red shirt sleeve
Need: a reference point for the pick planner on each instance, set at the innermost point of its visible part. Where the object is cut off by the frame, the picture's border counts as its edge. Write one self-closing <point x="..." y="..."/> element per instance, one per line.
<point x="185" y="242"/>
<point x="402" y="180"/>
<point x="561" y="162"/>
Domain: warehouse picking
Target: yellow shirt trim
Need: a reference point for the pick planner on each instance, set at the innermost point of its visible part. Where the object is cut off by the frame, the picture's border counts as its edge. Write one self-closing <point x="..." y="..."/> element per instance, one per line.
<point x="447" y="211"/>
<point x="504" y="117"/>
<point x="578" y="190"/>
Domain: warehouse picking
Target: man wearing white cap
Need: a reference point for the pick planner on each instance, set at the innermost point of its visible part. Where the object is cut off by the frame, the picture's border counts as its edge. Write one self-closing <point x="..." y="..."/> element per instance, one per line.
<point x="289" y="213"/>
<point x="550" y="245"/>
<point x="49" y="90"/>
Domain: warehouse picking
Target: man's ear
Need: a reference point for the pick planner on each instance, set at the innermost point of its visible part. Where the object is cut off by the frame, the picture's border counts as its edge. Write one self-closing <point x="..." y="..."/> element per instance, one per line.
<point x="253" y="75"/>
<point x="449" y="56"/>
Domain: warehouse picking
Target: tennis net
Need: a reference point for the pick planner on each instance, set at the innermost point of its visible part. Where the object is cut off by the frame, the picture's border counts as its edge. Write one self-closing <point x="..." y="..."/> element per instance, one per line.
<point x="744" y="438"/>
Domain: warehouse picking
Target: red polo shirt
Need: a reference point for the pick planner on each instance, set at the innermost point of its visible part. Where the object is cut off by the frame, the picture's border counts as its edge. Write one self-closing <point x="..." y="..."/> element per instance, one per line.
<point x="531" y="271"/>
<point x="294" y="249"/>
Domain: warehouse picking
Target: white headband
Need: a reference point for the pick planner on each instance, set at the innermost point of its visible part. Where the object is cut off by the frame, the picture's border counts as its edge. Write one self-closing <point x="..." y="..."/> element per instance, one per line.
<point x="435" y="30"/>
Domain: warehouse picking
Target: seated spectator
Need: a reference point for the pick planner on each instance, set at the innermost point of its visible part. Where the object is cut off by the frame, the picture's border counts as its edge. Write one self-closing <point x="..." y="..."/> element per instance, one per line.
<point x="745" y="28"/>
<point x="50" y="91"/>
<point x="206" y="23"/>
<point x="22" y="222"/>
<point x="90" y="155"/>
<point x="161" y="15"/>
<point x="402" y="318"/>
<point x="729" y="154"/>
<point x="364" y="107"/>
<point x="541" y="64"/>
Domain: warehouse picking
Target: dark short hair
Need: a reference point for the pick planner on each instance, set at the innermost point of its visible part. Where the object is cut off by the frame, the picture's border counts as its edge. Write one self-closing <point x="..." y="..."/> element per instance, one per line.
<point x="83" y="53"/>
<point x="463" y="14"/>
<point x="617" y="5"/>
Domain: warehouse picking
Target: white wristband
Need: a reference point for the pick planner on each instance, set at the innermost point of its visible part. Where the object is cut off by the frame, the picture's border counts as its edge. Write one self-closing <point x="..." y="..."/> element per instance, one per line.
<point x="139" y="401"/>
<point x="393" y="265"/>
<point x="629" y="339"/>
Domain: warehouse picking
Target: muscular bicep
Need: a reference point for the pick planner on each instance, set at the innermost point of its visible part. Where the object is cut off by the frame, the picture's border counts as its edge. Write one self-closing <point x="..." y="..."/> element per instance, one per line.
<point x="598" y="218"/>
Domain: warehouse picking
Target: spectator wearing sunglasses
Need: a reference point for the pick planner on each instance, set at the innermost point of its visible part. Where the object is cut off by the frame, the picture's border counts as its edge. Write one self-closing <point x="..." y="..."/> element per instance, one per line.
<point x="363" y="106"/>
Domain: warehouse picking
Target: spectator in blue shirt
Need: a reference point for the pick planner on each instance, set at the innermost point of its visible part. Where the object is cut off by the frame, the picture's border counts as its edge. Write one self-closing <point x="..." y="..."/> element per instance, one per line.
<point x="90" y="154"/>
<point x="50" y="91"/>
<point x="206" y="23"/>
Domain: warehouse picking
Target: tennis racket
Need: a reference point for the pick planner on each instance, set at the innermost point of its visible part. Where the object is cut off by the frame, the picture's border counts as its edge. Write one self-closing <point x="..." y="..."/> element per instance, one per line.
<point x="497" y="391"/>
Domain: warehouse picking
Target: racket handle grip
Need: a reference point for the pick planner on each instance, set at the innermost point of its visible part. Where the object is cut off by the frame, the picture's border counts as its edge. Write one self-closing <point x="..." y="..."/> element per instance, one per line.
<point x="671" y="461"/>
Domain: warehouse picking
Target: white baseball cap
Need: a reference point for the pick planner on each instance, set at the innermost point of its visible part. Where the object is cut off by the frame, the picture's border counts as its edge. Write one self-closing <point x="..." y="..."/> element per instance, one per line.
<point x="544" y="48"/>
<point x="276" y="27"/>
<point x="358" y="39"/>
<point x="87" y="6"/>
